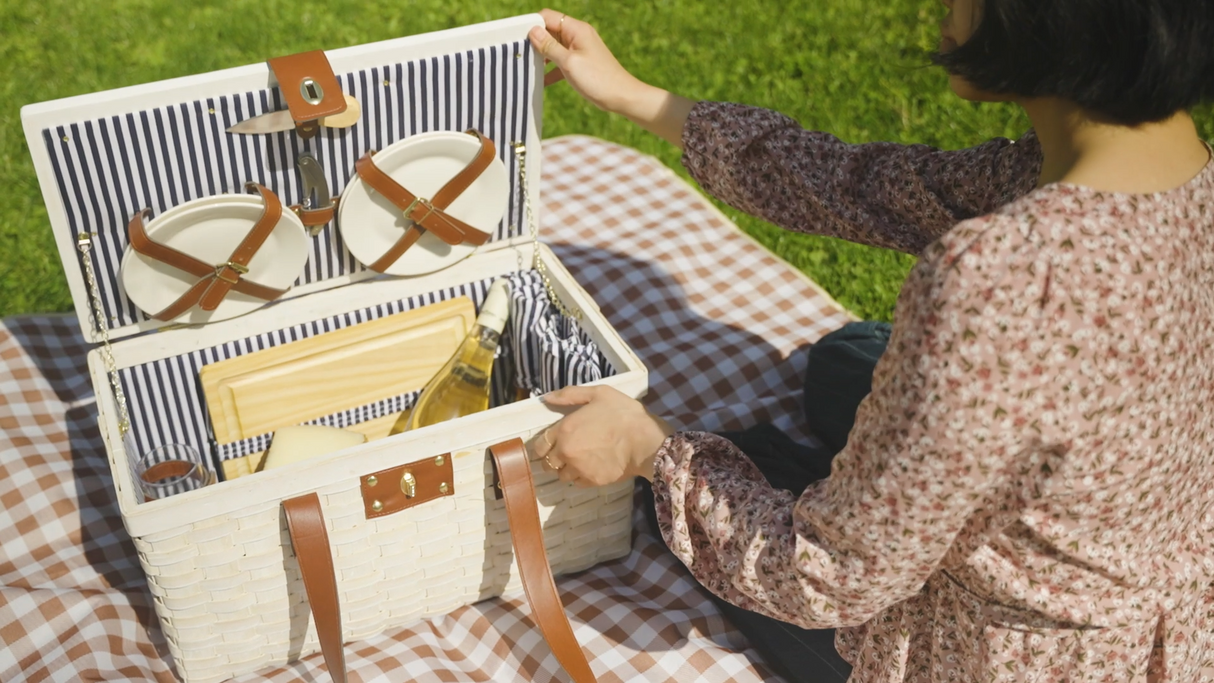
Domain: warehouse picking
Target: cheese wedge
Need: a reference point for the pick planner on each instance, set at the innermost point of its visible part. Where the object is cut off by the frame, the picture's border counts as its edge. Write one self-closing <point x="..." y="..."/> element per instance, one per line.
<point x="303" y="442"/>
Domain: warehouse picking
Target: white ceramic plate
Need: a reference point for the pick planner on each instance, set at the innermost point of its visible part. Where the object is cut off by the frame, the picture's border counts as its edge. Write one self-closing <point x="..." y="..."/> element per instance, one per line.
<point x="210" y="229"/>
<point x="422" y="164"/>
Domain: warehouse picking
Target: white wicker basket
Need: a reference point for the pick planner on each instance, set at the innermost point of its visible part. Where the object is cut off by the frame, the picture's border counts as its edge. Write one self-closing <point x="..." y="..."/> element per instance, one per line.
<point x="227" y="588"/>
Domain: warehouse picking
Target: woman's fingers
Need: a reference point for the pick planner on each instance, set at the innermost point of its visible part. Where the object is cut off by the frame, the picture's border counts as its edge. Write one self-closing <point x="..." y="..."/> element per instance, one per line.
<point x="548" y="46"/>
<point x="570" y="396"/>
<point x="543" y="445"/>
<point x="563" y="26"/>
<point x="552" y="463"/>
<point x="552" y="19"/>
<point x="584" y="62"/>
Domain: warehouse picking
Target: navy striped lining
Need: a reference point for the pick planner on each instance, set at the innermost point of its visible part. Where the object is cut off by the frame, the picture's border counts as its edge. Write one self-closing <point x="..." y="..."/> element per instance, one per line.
<point x="554" y="352"/>
<point x="108" y="169"/>
<point x="541" y="351"/>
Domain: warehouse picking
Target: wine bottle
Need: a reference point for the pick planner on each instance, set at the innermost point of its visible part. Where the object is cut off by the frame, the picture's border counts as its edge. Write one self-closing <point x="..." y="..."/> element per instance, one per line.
<point x="461" y="387"/>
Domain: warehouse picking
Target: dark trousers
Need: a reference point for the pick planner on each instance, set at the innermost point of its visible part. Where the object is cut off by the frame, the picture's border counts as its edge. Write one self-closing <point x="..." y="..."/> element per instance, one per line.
<point x="838" y="376"/>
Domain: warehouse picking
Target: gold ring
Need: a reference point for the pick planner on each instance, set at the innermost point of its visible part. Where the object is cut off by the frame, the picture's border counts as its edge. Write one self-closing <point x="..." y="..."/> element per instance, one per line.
<point x="561" y="26"/>
<point x="558" y="469"/>
<point x="544" y="434"/>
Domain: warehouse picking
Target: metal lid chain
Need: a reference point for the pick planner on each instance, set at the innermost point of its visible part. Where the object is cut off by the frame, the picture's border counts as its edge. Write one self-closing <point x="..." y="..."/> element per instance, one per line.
<point x="85" y="243"/>
<point x="520" y="151"/>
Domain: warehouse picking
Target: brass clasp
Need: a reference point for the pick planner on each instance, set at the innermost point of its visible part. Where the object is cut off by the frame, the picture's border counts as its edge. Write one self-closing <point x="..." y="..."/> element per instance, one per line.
<point x="421" y="481"/>
<point x="413" y="205"/>
<point x="242" y="270"/>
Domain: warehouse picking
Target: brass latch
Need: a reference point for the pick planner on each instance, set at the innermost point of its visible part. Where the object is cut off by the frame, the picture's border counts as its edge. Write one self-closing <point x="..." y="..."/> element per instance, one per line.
<point x="421" y="481"/>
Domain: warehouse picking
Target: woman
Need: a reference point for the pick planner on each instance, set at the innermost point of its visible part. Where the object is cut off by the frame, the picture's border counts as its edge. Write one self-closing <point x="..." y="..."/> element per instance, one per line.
<point x="1026" y="494"/>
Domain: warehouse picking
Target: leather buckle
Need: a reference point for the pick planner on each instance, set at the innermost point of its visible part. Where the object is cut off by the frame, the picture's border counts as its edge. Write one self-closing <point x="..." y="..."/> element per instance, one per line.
<point x="240" y="270"/>
<point x="413" y="205"/>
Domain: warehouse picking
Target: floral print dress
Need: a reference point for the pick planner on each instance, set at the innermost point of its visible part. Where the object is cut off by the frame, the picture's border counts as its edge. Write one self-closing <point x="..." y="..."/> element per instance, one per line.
<point x="1028" y="492"/>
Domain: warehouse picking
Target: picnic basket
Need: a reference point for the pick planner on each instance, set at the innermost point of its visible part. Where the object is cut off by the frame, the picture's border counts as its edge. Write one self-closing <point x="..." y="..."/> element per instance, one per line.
<point x="263" y="569"/>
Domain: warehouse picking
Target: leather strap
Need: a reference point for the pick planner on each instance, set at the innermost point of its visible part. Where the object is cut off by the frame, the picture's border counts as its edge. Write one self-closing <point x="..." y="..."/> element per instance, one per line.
<point x="514" y="470"/>
<point x="314" y="217"/>
<point x="237" y="264"/>
<point x="428" y="215"/>
<point x="306" y="524"/>
<point x="215" y="280"/>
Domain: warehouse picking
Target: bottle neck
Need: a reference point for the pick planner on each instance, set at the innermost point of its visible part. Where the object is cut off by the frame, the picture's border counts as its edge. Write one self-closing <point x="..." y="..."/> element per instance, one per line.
<point x="487" y="337"/>
<point x="471" y="364"/>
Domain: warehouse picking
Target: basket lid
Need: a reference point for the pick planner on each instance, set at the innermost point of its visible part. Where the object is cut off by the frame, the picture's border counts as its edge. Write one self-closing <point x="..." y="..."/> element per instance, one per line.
<point x="104" y="157"/>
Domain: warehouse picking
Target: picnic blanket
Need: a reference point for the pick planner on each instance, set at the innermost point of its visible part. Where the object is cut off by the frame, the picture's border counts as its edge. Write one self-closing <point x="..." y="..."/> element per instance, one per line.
<point x="722" y="324"/>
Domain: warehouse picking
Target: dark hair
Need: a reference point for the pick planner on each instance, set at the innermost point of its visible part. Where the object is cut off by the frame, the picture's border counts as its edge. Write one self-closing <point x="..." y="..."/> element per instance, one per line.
<point x="1128" y="61"/>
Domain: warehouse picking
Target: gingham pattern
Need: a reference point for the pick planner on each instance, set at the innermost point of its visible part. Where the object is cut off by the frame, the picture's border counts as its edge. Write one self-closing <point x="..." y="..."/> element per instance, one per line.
<point x="721" y="323"/>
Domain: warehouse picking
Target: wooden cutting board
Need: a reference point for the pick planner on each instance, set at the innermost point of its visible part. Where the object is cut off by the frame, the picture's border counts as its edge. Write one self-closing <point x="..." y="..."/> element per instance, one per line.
<point x="293" y="383"/>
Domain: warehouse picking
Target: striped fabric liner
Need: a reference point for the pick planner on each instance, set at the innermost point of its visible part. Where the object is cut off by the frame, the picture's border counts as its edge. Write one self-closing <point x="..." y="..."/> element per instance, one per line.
<point x="167" y="404"/>
<point x="555" y="351"/>
<point x="108" y="169"/>
<point x="165" y="397"/>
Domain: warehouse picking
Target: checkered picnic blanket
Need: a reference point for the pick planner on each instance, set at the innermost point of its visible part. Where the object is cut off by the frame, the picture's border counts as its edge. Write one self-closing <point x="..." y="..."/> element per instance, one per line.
<point x="722" y="324"/>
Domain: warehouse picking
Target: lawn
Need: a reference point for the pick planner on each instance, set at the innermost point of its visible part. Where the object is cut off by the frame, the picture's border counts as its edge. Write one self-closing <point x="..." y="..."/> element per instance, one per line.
<point x="855" y="68"/>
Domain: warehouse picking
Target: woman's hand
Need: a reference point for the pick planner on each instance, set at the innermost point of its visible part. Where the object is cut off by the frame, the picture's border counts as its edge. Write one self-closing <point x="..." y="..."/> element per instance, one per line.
<point x="608" y="438"/>
<point x="585" y="62"/>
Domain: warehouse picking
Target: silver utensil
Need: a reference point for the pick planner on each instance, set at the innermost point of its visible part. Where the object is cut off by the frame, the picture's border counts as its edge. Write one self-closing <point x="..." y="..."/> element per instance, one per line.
<point x="316" y="195"/>
<point x="278" y="121"/>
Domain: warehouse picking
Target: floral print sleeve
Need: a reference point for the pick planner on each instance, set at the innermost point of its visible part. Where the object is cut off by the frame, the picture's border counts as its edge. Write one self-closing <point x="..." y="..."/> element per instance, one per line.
<point x="1025" y="495"/>
<point x="881" y="194"/>
<point x="940" y="438"/>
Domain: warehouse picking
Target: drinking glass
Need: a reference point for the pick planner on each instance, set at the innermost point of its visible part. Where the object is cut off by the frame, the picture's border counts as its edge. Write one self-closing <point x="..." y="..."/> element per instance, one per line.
<point x="171" y="469"/>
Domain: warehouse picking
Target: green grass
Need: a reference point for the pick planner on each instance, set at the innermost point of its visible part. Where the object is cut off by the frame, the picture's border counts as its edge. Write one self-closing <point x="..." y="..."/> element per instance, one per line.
<point x="852" y="67"/>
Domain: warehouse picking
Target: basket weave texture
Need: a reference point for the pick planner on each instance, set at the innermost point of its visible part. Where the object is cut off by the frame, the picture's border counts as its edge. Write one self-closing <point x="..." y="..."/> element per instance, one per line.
<point x="231" y="599"/>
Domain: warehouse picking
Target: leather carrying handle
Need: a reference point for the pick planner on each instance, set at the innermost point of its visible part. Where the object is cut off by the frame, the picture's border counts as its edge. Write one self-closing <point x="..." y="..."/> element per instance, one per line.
<point x="518" y="490"/>
<point x="306" y="524"/>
